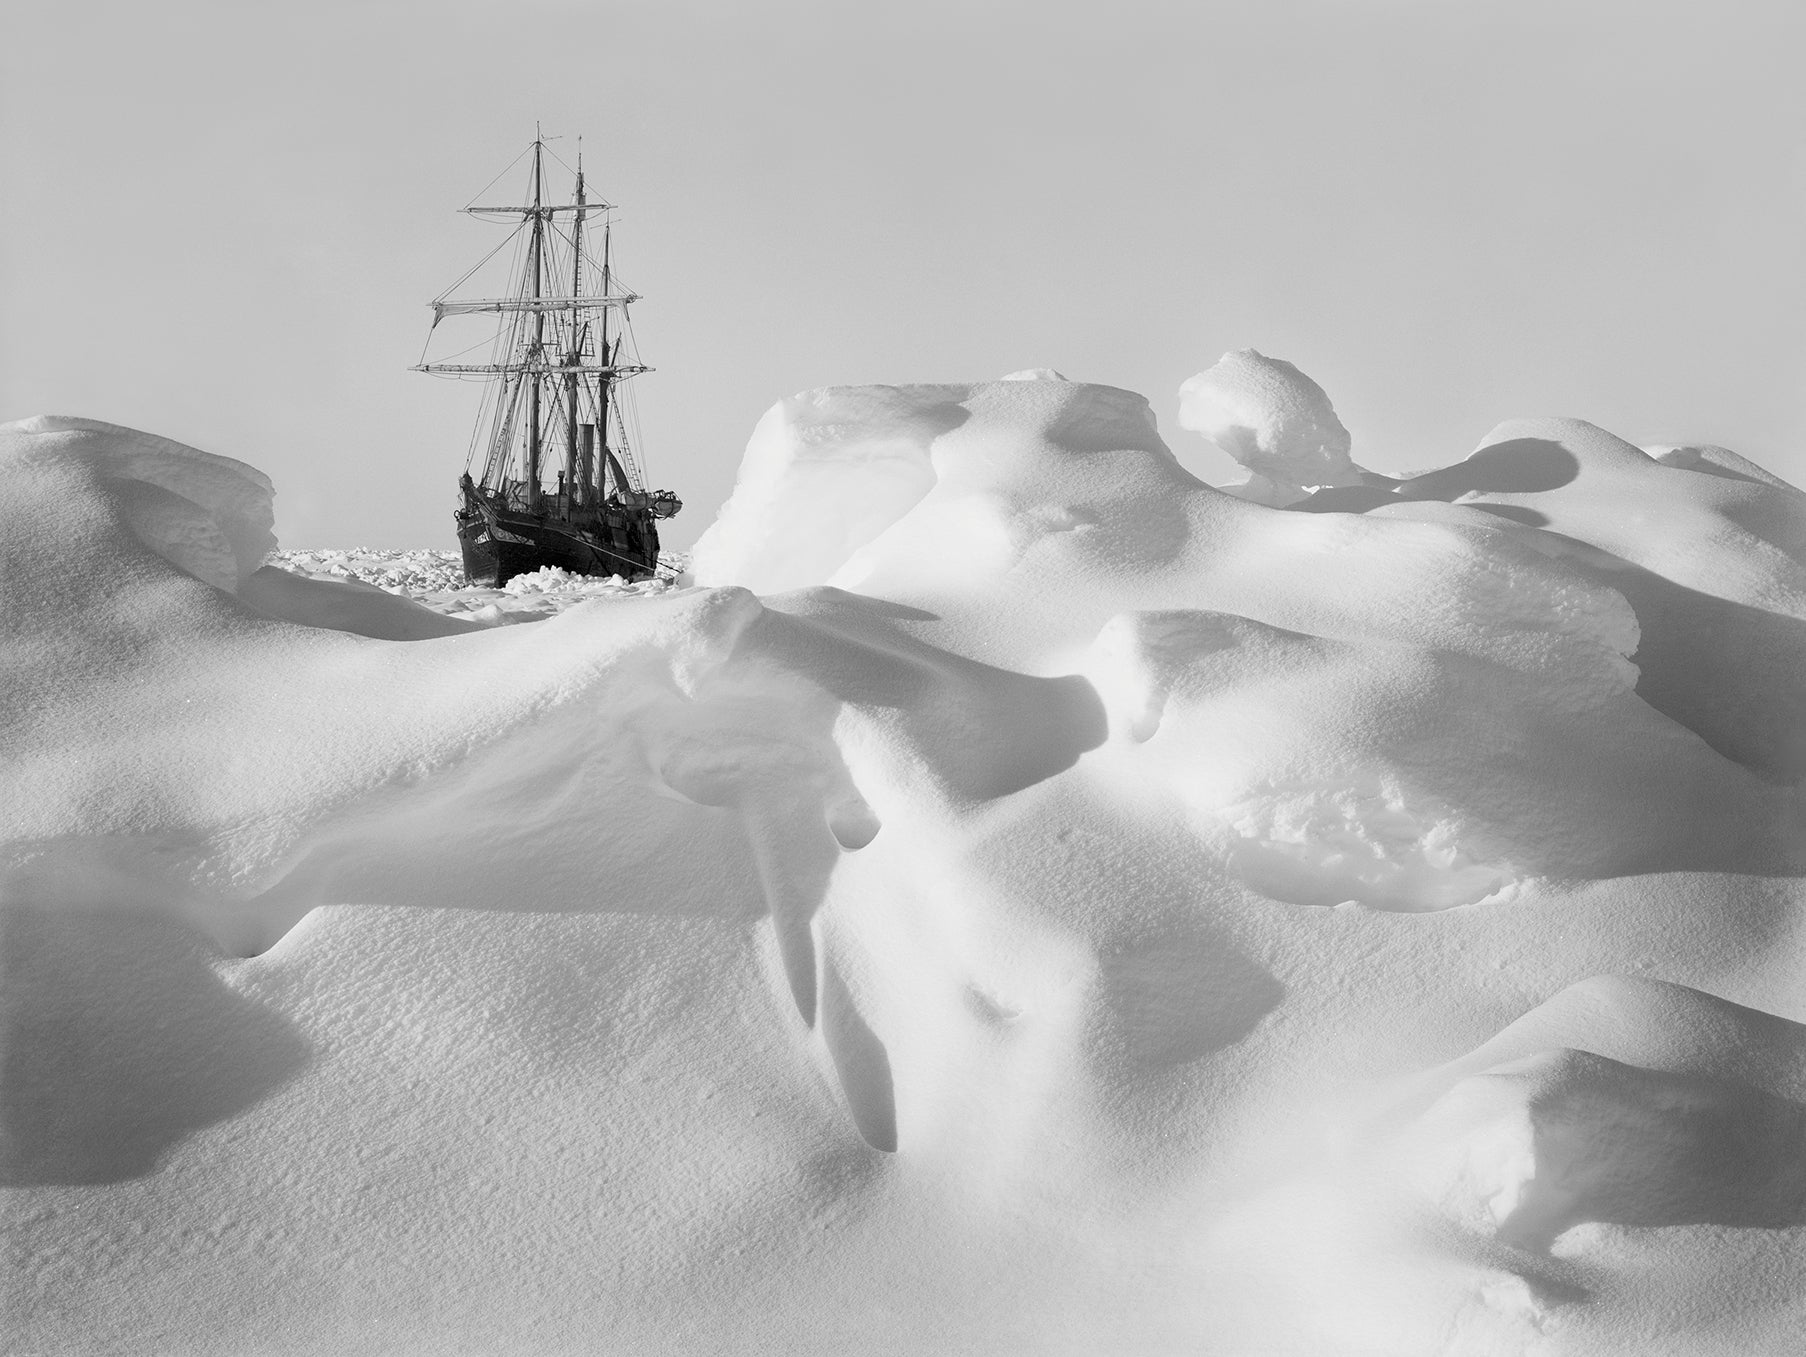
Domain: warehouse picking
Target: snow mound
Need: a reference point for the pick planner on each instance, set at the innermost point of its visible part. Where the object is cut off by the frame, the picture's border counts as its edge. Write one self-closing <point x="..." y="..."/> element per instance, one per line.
<point x="345" y="603"/>
<point x="1711" y="557"/>
<point x="824" y="472"/>
<point x="1621" y="1102"/>
<point x="1272" y="419"/>
<point x="1412" y="715"/>
<point x="1017" y="868"/>
<point x="207" y="515"/>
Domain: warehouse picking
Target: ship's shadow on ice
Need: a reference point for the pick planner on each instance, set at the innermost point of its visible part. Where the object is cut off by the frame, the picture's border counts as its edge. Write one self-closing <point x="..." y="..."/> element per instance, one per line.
<point x="117" y="1041"/>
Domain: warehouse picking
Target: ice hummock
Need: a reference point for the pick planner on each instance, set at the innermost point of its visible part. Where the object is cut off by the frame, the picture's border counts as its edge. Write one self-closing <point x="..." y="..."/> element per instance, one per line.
<point x="1020" y="892"/>
<point x="1274" y="420"/>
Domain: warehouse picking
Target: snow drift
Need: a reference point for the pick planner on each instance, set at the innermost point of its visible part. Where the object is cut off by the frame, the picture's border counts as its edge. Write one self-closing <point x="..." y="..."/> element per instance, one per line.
<point x="1021" y="891"/>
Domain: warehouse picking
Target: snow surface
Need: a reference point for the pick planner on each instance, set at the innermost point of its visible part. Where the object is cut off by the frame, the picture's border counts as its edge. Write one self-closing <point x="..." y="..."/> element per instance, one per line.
<point x="1018" y="898"/>
<point x="1274" y="420"/>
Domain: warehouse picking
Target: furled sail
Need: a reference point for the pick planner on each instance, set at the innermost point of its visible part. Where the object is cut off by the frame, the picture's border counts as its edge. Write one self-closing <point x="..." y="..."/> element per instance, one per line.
<point x="442" y="309"/>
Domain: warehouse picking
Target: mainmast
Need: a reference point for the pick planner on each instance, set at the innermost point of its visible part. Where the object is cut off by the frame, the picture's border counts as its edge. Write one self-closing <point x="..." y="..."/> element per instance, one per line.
<point x="575" y="489"/>
<point x="539" y="329"/>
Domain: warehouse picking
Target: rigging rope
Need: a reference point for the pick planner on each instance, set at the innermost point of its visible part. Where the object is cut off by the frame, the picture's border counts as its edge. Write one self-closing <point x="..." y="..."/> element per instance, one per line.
<point x="479" y="264"/>
<point x="560" y="159"/>
<point x="492" y="183"/>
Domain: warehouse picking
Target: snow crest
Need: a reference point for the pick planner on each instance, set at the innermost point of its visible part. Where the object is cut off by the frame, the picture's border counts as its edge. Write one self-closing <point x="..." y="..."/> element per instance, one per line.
<point x="1272" y="419"/>
<point x="207" y="515"/>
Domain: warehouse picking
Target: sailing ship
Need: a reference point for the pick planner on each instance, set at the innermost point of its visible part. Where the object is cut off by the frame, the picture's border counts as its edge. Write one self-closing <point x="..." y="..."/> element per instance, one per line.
<point x="557" y="482"/>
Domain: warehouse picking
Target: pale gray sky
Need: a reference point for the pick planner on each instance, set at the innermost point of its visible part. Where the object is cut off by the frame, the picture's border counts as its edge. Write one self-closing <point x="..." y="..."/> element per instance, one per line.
<point x="223" y="221"/>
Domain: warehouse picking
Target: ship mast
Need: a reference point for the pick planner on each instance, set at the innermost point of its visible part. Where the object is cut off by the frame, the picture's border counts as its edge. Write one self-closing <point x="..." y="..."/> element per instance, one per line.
<point x="605" y="383"/>
<point x="574" y="359"/>
<point x="539" y="330"/>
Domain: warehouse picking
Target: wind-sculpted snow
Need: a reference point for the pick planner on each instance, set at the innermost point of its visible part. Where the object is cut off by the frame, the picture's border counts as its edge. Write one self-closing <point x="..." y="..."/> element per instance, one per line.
<point x="1018" y="890"/>
<point x="1620" y="1102"/>
<point x="209" y="516"/>
<point x="1272" y="419"/>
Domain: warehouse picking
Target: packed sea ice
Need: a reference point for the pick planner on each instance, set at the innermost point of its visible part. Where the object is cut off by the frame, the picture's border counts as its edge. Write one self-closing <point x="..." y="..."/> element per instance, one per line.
<point x="1001" y="895"/>
<point x="435" y="580"/>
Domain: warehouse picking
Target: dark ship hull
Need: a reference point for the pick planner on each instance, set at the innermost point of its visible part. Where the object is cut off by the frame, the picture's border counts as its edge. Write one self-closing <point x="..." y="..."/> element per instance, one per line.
<point x="499" y="544"/>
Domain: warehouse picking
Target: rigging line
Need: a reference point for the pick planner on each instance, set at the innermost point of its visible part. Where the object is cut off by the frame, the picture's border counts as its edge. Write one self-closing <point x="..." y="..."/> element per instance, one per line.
<point x="559" y="158"/>
<point x="635" y="478"/>
<point x="492" y="183"/>
<point x="488" y="411"/>
<point x="507" y="336"/>
<point x="607" y="221"/>
<point x="484" y="260"/>
<point x="470" y="453"/>
<point x="632" y="401"/>
<point x="633" y="340"/>
<point x="468" y="348"/>
<point x="633" y="415"/>
<point x="613" y="273"/>
<point x="617" y="555"/>
<point x="432" y="329"/>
